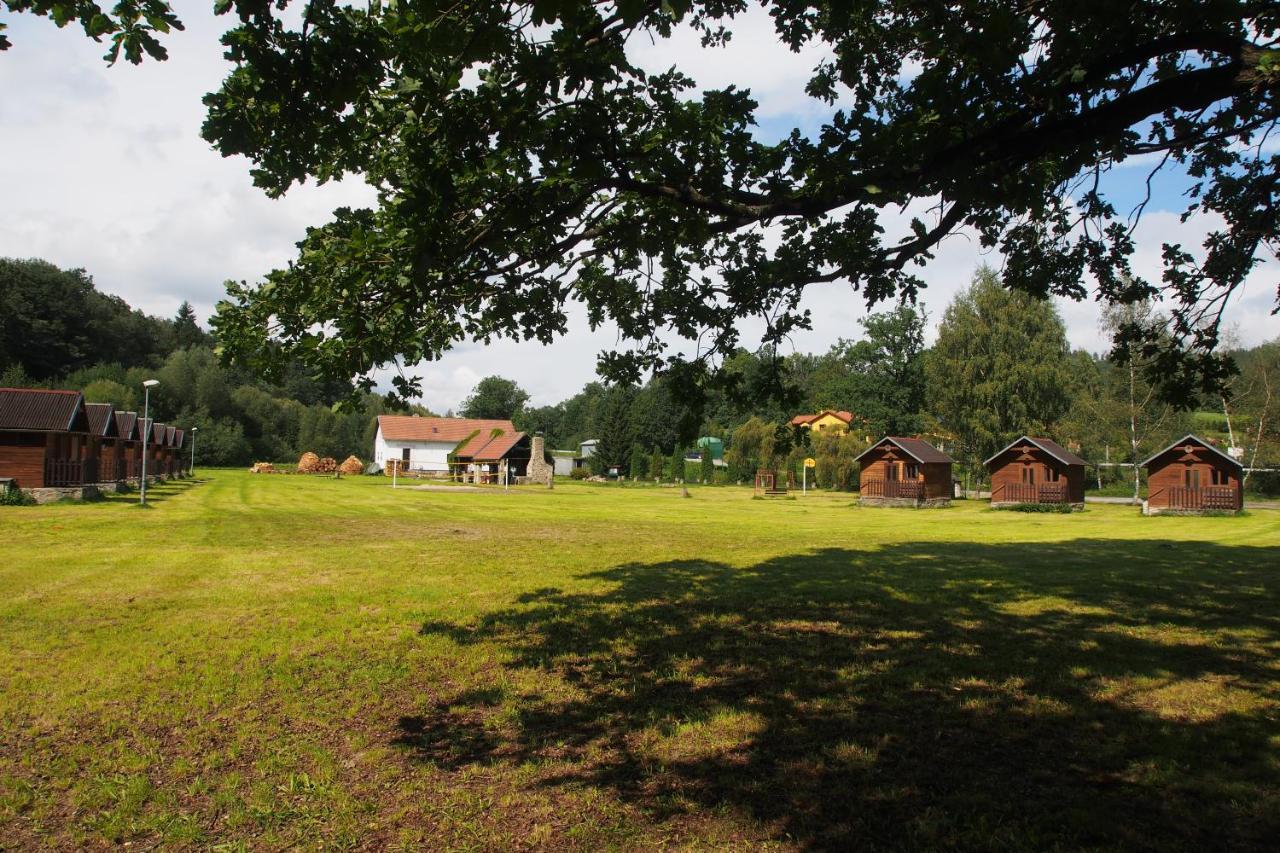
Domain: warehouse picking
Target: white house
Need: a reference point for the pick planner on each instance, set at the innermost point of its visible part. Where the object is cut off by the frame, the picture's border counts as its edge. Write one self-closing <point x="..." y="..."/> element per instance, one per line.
<point x="424" y="444"/>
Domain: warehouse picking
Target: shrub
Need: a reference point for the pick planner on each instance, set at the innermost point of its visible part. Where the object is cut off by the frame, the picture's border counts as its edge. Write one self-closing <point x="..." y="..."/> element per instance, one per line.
<point x="579" y="473"/>
<point x="1038" y="508"/>
<point x="707" y="466"/>
<point x="16" y="497"/>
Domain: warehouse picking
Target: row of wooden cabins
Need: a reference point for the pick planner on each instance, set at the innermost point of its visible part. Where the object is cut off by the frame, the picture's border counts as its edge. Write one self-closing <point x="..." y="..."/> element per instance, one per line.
<point x="1188" y="476"/>
<point x="55" y="445"/>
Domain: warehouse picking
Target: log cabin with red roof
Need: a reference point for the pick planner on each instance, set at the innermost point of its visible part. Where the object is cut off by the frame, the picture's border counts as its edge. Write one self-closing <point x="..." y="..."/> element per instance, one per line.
<point x="103" y="444"/>
<point x="906" y="472"/>
<point x="1192" y="477"/>
<point x="1036" y="471"/>
<point x="129" y="454"/>
<point x="45" y="446"/>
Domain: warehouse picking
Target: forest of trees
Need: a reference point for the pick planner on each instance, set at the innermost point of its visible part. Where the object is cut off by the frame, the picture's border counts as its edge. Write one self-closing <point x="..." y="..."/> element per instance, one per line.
<point x="1000" y="366"/>
<point x="57" y="330"/>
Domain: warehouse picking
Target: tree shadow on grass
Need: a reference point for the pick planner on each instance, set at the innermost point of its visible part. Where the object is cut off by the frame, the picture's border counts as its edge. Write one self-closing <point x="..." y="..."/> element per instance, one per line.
<point x="156" y="492"/>
<point x="930" y="695"/>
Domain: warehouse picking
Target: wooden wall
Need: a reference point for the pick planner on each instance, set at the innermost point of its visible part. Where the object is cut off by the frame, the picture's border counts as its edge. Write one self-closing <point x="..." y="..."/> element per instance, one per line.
<point x="935" y="475"/>
<point x="24" y="464"/>
<point x="1168" y="472"/>
<point x="1007" y="470"/>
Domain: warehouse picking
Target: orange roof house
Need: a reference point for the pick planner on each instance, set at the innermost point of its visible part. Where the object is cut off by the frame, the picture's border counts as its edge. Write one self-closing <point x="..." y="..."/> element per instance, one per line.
<point x="824" y="420"/>
<point x="427" y="444"/>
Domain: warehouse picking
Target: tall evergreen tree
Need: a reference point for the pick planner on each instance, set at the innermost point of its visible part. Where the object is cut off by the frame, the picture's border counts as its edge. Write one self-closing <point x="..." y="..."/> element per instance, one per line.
<point x="999" y="367"/>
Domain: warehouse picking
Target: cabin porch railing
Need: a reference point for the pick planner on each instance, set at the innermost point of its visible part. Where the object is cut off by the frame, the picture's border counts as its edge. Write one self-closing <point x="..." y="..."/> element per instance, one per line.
<point x="1209" y="497"/>
<point x="908" y="489"/>
<point x="1034" y="493"/>
<point x="59" y="473"/>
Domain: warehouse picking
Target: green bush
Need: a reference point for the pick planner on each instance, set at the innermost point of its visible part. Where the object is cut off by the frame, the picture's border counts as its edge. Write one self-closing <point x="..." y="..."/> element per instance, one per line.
<point x="16" y="497"/>
<point x="1038" y="508"/>
<point x="579" y="473"/>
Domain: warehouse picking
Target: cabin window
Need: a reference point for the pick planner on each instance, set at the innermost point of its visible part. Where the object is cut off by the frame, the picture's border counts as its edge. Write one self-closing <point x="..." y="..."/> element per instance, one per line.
<point x="404" y="455"/>
<point x="1028" y="475"/>
<point x="891" y="470"/>
<point x="1191" y="477"/>
<point x="1220" y="478"/>
<point x="1052" y="475"/>
<point x="910" y="471"/>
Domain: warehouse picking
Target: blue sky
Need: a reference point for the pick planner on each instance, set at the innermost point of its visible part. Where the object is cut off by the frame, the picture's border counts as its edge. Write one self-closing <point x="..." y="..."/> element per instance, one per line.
<point x="104" y="168"/>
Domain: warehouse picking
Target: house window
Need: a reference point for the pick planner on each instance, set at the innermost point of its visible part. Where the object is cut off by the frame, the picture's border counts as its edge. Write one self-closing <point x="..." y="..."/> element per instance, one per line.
<point x="910" y="471"/>
<point x="1028" y="475"/>
<point x="1051" y="475"/>
<point x="1191" y="477"/>
<point x="404" y="455"/>
<point x="1220" y="477"/>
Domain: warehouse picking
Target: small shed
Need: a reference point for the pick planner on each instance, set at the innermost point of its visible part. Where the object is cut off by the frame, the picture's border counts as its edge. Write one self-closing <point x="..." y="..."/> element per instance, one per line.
<point x="1191" y="476"/>
<point x="486" y="459"/>
<point x="1036" y="471"/>
<point x="909" y="472"/>
<point x="44" y="443"/>
<point x="102" y="444"/>
<point x="129" y="426"/>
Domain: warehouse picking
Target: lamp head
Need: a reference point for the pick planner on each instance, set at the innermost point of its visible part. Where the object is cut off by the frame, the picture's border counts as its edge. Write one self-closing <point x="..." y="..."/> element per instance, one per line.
<point x="150" y="383"/>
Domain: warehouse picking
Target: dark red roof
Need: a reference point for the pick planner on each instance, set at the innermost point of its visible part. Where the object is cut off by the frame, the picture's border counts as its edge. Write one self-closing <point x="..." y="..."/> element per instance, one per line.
<point x="102" y="422"/>
<point x="918" y="449"/>
<point x="1181" y="444"/>
<point x="127" y="425"/>
<point x="169" y="433"/>
<point x="177" y="436"/>
<point x="41" y="410"/>
<point x="1048" y="445"/>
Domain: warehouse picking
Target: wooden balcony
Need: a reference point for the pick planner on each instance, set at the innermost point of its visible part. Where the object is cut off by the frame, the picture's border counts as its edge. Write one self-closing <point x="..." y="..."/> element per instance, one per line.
<point x="1207" y="498"/>
<point x="63" y="473"/>
<point x="904" y="489"/>
<point x="1033" y="493"/>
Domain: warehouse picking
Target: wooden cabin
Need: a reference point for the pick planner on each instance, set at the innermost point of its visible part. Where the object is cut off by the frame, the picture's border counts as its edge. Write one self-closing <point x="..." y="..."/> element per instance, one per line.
<point x="180" y="467"/>
<point x="1192" y="476"/>
<point x="103" y="444"/>
<point x="908" y="472"/>
<point x="170" y="455"/>
<point x="129" y="453"/>
<point x="1036" y="471"/>
<point x="45" y="446"/>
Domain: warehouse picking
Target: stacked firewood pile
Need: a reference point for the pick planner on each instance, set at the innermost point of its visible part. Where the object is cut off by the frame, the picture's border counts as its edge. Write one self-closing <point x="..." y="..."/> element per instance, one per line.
<point x="262" y="468"/>
<point x="327" y="465"/>
<point x="351" y="465"/>
<point x="308" y="463"/>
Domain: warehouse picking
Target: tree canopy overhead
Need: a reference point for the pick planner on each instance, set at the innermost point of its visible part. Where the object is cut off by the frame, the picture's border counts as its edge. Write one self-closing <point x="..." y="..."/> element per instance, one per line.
<point x="524" y="160"/>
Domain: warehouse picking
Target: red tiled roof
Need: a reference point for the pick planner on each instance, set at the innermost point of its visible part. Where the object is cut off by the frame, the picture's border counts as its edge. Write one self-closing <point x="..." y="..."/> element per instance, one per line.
<point x="800" y="420"/>
<point x="41" y="410"/>
<point x="496" y="448"/>
<point x="101" y="420"/>
<point x="414" y="428"/>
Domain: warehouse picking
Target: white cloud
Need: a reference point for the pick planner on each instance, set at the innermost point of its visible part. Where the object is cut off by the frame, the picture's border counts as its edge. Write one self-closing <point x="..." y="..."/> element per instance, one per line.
<point x="104" y="168"/>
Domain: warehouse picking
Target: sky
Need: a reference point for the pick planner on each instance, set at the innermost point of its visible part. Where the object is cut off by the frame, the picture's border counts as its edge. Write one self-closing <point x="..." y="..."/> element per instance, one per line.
<point x="103" y="168"/>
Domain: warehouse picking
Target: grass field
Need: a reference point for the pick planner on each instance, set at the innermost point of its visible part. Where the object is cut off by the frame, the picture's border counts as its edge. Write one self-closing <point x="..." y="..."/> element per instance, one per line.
<point x="272" y="661"/>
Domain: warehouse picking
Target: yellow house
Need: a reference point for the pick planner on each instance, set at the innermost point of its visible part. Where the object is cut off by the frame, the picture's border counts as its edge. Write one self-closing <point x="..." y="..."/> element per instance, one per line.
<point x="824" y="421"/>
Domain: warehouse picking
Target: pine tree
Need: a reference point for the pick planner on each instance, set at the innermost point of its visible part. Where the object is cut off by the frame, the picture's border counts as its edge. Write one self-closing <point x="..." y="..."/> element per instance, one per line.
<point x="639" y="463"/>
<point x="656" y="464"/>
<point x="707" y="468"/>
<point x="676" y="473"/>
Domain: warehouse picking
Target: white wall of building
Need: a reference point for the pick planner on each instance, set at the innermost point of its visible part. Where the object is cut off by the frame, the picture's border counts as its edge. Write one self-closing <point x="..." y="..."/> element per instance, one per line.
<point x="423" y="455"/>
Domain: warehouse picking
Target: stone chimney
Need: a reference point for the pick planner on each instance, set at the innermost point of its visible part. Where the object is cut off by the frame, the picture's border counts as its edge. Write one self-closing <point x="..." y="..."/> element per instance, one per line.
<point x="539" y="470"/>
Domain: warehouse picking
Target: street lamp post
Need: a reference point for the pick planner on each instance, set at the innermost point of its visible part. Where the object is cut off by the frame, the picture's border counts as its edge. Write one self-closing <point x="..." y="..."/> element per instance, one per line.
<point x="146" y="436"/>
<point x="191" y="472"/>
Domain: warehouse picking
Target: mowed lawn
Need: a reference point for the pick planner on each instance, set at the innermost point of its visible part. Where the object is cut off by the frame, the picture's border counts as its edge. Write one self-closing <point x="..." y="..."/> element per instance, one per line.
<point x="271" y="661"/>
